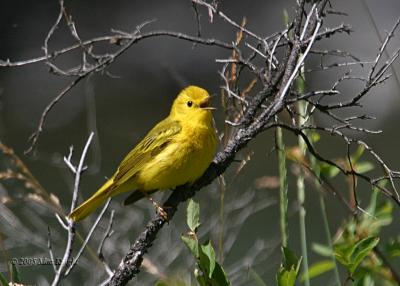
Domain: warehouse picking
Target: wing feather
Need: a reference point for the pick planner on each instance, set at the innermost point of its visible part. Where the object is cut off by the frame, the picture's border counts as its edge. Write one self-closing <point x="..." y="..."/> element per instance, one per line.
<point x="155" y="141"/>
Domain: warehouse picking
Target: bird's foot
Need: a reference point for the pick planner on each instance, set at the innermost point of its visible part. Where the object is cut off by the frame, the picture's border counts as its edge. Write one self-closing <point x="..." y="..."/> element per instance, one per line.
<point x="162" y="213"/>
<point x="159" y="209"/>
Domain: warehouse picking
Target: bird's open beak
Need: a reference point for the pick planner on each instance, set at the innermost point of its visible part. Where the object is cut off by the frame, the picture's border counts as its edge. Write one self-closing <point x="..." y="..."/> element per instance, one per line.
<point x="205" y="104"/>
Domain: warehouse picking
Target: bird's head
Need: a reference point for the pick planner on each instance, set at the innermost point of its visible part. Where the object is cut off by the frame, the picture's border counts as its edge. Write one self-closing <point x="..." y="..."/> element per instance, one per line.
<point x="192" y="103"/>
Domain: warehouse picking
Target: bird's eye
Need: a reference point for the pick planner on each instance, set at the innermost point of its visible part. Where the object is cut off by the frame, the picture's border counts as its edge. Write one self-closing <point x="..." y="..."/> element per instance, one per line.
<point x="189" y="103"/>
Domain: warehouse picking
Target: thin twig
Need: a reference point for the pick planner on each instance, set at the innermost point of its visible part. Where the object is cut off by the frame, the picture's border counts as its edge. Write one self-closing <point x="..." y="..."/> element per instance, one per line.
<point x="106" y="235"/>
<point x="49" y="246"/>
<point x="99" y="217"/>
<point x="60" y="273"/>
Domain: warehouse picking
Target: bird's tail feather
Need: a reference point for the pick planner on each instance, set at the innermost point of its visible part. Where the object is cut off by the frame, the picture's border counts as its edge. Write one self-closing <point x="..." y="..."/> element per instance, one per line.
<point x="91" y="204"/>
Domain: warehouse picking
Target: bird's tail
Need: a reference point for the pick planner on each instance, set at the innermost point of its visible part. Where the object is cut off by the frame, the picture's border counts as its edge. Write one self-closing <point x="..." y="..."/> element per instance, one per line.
<point x="91" y="204"/>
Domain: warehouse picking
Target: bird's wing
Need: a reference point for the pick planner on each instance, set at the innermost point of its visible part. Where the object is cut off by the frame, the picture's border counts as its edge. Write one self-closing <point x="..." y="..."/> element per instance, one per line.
<point x="155" y="141"/>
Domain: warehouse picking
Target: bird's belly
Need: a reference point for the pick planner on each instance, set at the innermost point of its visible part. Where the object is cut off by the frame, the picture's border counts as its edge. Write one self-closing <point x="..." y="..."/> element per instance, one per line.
<point x="189" y="162"/>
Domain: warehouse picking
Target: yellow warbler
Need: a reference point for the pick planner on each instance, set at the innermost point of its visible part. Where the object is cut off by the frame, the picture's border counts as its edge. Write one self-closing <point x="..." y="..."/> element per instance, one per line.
<point x="176" y="151"/>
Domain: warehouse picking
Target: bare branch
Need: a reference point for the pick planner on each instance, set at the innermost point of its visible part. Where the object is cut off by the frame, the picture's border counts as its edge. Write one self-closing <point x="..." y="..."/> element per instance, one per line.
<point x="106" y="61"/>
<point x="60" y="272"/>
<point x="76" y="258"/>
<point x="51" y="249"/>
<point x="107" y="234"/>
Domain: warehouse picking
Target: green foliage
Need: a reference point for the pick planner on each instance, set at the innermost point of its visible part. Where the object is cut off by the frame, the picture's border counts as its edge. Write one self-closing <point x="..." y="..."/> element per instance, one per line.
<point x="318" y="268"/>
<point x="289" y="269"/>
<point x="207" y="258"/>
<point x="357" y="154"/>
<point x="364" y="167"/>
<point x="193" y="215"/>
<point x="3" y="280"/>
<point x="355" y="248"/>
<point x="322" y="250"/>
<point x="350" y="256"/>
<point x="208" y="271"/>
<point x="15" y="275"/>
<point x="393" y="247"/>
<point x="191" y="243"/>
<point x="328" y="171"/>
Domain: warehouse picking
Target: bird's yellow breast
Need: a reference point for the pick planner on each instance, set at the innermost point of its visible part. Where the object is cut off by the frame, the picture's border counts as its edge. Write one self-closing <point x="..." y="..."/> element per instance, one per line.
<point x="183" y="161"/>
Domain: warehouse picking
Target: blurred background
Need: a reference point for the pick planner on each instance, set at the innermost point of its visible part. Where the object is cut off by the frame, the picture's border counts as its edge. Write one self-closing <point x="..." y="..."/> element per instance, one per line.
<point x="120" y="107"/>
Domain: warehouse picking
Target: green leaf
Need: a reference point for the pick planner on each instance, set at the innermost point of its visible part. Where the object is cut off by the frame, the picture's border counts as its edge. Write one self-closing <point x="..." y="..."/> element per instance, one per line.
<point x="357" y="155"/>
<point x="3" y="280"/>
<point x="371" y="209"/>
<point x="207" y="258"/>
<point x="318" y="268"/>
<point x="192" y="243"/>
<point x="351" y="256"/>
<point x="372" y="202"/>
<point x="367" y="280"/>
<point x="328" y="171"/>
<point x="201" y="279"/>
<point x="289" y="258"/>
<point x="384" y="211"/>
<point x="361" y="250"/>
<point x="382" y="217"/>
<point x="322" y="250"/>
<point x="364" y="167"/>
<point x="288" y="272"/>
<point x="193" y="215"/>
<point x="286" y="277"/>
<point x="343" y="259"/>
<point x="15" y="277"/>
<point x="219" y="277"/>
<point x="393" y="247"/>
<point x="343" y="253"/>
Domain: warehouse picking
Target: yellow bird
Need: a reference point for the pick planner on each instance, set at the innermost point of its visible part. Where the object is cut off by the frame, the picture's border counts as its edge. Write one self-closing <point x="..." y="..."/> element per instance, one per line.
<point x="176" y="151"/>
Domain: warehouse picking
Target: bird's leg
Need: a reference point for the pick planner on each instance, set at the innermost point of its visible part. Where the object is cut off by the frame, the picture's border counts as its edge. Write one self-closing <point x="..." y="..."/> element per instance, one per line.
<point x="157" y="206"/>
